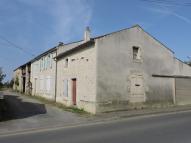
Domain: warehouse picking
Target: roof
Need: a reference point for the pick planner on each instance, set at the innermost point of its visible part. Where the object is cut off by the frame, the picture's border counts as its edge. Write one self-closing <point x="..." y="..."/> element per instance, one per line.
<point x="97" y="37"/>
<point x="22" y="65"/>
<point x="49" y="51"/>
<point x="157" y="40"/>
<point x="36" y="58"/>
<point x="131" y="28"/>
<point x="91" y="41"/>
<point x="45" y="53"/>
<point x="76" y="48"/>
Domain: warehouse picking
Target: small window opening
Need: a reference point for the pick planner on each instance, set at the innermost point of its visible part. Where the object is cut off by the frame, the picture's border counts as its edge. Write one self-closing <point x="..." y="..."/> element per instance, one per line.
<point x="137" y="85"/>
<point x="136" y="53"/>
<point x="66" y="63"/>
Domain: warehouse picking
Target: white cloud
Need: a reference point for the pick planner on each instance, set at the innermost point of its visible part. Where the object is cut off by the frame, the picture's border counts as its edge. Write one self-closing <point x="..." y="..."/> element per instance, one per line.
<point x="69" y="17"/>
<point x="56" y="20"/>
<point x="183" y="18"/>
<point x="166" y="12"/>
<point x="37" y="25"/>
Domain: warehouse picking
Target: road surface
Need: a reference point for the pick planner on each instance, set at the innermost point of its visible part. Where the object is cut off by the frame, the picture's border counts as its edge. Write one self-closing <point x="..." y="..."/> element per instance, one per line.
<point x="169" y="128"/>
<point x="24" y="113"/>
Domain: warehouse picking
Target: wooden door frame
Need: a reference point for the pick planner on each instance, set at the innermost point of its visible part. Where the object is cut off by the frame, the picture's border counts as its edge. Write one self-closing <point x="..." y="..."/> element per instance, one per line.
<point x="74" y="91"/>
<point x="132" y="95"/>
<point x="35" y="82"/>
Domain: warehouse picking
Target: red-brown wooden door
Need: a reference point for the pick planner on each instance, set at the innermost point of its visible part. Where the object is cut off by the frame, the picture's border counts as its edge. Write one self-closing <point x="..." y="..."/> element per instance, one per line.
<point x="74" y="91"/>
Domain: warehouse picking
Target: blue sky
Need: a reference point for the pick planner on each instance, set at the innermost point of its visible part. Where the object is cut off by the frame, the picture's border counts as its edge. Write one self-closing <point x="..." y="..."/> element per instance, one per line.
<point x="37" y="25"/>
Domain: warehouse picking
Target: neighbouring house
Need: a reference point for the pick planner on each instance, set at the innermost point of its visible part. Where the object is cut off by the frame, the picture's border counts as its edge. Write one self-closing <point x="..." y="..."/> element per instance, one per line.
<point x="21" y="78"/>
<point x="17" y="79"/>
<point x="111" y="72"/>
<point x="43" y="72"/>
<point x="116" y="70"/>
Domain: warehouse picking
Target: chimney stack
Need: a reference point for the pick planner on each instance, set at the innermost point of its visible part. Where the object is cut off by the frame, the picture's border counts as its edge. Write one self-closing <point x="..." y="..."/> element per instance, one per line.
<point x="87" y="34"/>
<point x="60" y="44"/>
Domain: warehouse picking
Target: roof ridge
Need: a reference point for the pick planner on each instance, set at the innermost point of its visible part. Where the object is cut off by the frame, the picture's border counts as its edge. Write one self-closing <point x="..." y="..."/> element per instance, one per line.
<point x="136" y="25"/>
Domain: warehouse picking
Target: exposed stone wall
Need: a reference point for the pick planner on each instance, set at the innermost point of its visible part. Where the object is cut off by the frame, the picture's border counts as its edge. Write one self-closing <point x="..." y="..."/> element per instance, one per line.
<point x="17" y="75"/>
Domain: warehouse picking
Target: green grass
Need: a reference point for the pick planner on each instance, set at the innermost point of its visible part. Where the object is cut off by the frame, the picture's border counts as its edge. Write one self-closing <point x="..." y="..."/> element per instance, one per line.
<point x="59" y="105"/>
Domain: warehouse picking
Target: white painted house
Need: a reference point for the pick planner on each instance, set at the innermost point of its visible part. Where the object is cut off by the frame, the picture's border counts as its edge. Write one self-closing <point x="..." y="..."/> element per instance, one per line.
<point x="118" y="70"/>
<point x="111" y="72"/>
<point x="43" y="71"/>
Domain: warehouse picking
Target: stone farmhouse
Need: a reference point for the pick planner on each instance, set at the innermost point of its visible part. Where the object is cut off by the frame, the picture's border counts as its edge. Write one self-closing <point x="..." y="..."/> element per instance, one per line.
<point x="111" y="72"/>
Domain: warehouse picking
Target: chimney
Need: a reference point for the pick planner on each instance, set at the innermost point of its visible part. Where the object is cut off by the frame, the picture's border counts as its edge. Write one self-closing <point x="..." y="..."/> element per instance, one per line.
<point x="60" y="44"/>
<point x="87" y="34"/>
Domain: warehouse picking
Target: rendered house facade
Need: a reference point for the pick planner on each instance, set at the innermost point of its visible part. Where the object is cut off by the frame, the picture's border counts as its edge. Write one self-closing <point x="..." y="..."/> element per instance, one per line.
<point x="111" y="72"/>
<point x="114" y="71"/>
<point x="43" y="72"/>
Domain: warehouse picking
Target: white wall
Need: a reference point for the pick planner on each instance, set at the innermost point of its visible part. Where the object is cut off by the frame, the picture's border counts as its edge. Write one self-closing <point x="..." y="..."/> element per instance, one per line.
<point x="82" y="66"/>
<point x="43" y="76"/>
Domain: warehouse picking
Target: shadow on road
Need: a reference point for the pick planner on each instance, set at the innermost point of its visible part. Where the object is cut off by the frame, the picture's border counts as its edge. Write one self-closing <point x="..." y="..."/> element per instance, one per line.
<point x="16" y="108"/>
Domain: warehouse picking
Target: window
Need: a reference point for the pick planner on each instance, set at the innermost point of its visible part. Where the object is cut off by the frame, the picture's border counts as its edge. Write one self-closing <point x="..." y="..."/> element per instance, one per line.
<point x="66" y="63"/>
<point x="48" y="61"/>
<point x="48" y="84"/>
<point x="45" y="63"/>
<point x="41" y="83"/>
<point x="66" y="88"/>
<point x="51" y="60"/>
<point x="136" y="53"/>
<point x="41" y="64"/>
<point x="40" y="67"/>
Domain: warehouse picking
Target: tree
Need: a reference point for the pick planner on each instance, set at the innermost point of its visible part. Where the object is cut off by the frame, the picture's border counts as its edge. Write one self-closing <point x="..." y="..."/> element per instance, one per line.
<point x="11" y="83"/>
<point x="8" y="84"/>
<point x="2" y="76"/>
<point x="16" y="81"/>
<point x="188" y="63"/>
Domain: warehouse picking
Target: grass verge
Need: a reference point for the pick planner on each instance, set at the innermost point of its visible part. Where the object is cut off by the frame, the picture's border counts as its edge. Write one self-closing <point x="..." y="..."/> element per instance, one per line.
<point x="59" y="105"/>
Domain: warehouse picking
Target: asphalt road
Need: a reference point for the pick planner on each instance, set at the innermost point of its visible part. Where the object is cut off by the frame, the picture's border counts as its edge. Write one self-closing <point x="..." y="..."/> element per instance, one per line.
<point x="24" y="113"/>
<point x="171" y="128"/>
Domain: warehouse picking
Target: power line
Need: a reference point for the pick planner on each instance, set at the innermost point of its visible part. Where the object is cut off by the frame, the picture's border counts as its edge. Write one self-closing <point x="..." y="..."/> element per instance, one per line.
<point x="168" y="3"/>
<point x="16" y="46"/>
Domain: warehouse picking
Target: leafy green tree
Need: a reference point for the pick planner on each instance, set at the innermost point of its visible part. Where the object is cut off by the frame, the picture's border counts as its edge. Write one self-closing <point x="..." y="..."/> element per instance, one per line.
<point x="17" y="81"/>
<point x="8" y="84"/>
<point x="11" y="83"/>
<point x="188" y="63"/>
<point x="2" y="76"/>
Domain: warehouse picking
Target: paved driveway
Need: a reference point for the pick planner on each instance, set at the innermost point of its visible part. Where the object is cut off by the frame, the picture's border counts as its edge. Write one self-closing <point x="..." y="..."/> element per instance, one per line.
<point x="26" y="113"/>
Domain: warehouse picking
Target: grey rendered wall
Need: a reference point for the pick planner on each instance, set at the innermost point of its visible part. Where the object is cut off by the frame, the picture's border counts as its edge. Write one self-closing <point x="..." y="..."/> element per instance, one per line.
<point x="183" y="85"/>
<point x="181" y="68"/>
<point x="183" y="91"/>
<point x="115" y="66"/>
<point x="82" y="66"/>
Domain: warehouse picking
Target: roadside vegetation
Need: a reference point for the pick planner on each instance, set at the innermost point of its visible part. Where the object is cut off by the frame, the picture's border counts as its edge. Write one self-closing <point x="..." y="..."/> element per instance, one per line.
<point x="2" y="76"/>
<point x="188" y="62"/>
<point x="7" y="84"/>
<point x="59" y="105"/>
<point x="2" y="102"/>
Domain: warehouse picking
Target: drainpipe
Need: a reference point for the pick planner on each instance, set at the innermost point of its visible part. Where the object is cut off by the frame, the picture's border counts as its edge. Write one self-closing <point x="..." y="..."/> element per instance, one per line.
<point x="60" y="44"/>
<point x="55" y="78"/>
